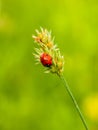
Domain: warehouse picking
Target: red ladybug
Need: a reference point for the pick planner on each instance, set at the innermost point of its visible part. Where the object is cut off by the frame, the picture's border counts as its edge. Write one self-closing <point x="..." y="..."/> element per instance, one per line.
<point x="46" y="59"/>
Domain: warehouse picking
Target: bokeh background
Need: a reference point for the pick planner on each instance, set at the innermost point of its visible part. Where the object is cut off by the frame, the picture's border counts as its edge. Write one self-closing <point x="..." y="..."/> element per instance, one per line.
<point x="30" y="99"/>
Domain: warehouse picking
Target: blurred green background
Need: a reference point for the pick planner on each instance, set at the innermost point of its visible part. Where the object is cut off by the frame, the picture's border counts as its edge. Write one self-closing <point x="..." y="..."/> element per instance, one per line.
<point x="30" y="99"/>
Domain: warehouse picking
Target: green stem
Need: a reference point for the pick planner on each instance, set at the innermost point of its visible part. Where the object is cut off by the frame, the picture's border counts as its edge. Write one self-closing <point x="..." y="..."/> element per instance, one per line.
<point x="74" y="101"/>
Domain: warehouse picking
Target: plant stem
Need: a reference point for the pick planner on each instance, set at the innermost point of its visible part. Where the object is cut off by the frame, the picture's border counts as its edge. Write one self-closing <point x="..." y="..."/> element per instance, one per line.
<point x="74" y="101"/>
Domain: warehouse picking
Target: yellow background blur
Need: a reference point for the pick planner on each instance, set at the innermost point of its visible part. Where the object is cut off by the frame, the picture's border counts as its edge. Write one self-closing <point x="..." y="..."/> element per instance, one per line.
<point x="30" y="99"/>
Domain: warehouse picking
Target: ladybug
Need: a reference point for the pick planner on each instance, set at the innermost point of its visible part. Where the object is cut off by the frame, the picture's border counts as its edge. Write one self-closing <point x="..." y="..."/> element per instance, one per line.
<point x="46" y="59"/>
